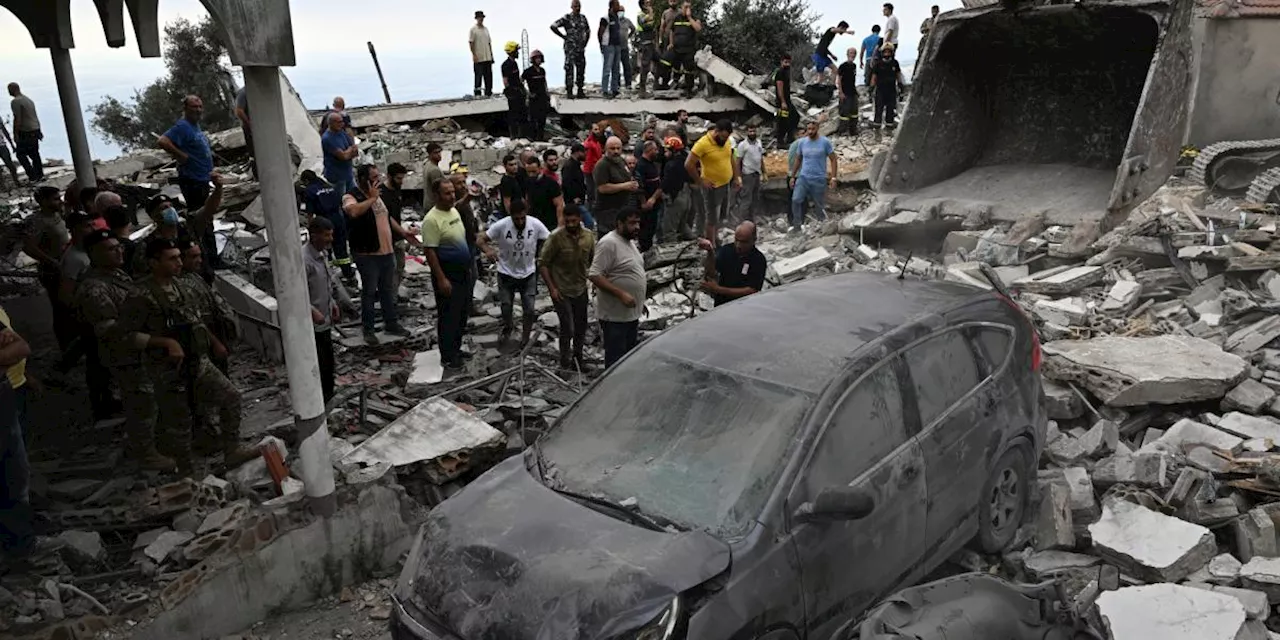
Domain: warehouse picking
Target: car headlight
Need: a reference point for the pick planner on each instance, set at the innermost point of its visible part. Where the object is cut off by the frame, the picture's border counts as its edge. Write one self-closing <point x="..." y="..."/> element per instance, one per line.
<point x="662" y="627"/>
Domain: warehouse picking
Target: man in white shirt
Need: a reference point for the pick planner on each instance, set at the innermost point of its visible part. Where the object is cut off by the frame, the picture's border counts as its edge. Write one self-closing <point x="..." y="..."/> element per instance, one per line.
<point x="482" y="55"/>
<point x="519" y="239"/>
<point x="891" y="30"/>
<point x="749" y="154"/>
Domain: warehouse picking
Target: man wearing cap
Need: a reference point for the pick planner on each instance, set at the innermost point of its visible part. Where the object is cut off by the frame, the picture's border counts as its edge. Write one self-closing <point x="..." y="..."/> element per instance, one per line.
<point x="513" y="89"/>
<point x="886" y="77"/>
<point x="323" y="200"/>
<point x="481" y="56"/>
<point x="676" y="220"/>
<point x="101" y="299"/>
<point x="535" y="78"/>
<point x="574" y="29"/>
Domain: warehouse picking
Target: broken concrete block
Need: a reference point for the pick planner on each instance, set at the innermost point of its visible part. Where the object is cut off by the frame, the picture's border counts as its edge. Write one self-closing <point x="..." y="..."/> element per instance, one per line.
<point x="1100" y="439"/>
<point x="1122" y="297"/>
<point x="1247" y="426"/>
<point x="1170" y="612"/>
<point x="1254" y="337"/>
<point x="84" y="546"/>
<point x="147" y="537"/>
<point x="250" y="301"/>
<point x="1150" y="545"/>
<point x="1224" y="569"/>
<point x="1043" y="565"/>
<point x="792" y="268"/>
<point x="1060" y="280"/>
<point x="1250" y="396"/>
<point x="1054" y="529"/>
<point x="1255" y="535"/>
<point x="1262" y="574"/>
<point x="1187" y="434"/>
<point x="166" y="544"/>
<point x="1130" y="372"/>
<point x="427" y="371"/>
<point x="437" y="436"/>
<point x="1061" y="403"/>
<point x="1149" y="469"/>
<point x="221" y="518"/>
<point x="1063" y="312"/>
<point x="1256" y="606"/>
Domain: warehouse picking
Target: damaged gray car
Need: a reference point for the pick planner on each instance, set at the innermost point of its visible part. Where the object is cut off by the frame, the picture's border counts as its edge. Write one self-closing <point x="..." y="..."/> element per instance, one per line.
<point x="765" y="471"/>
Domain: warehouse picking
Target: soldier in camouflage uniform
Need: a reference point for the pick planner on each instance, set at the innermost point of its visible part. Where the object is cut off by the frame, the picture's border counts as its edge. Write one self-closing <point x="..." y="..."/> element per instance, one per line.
<point x="574" y="29"/>
<point x="215" y="311"/>
<point x="101" y="298"/>
<point x="186" y="382"/>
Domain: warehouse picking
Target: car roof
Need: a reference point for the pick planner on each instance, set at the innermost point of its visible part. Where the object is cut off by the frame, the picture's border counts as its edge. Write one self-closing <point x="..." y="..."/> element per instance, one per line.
<point x="802" y="334"/>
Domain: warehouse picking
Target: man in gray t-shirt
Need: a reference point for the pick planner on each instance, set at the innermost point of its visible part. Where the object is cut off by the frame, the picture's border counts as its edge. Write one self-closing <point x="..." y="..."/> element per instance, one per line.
<point x="617" y="270"/>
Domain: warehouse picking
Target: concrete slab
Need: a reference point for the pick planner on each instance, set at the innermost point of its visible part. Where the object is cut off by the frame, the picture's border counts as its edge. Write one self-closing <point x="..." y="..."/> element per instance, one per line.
<point x="165" y="544"/>
<point x="406" y="112"/>
<point x="436" y="435"/>
<point x="1187" y="434"/>
<point x="1136" y="371"/>
<point x="662" y="106"/>
<point x="1122" y="296"/>
<point x="1063" y="312"/>
<point x="1255" y="535"/>
<point x="1224" y="569"/>
<point x="1043" y="565"/>
<point x="1247" y="426"/>
<point x="1170" y="612"/>
<point x="1061" y="402"/>
<point x="790" y="268"/>
<point x="732" y="77"/>
<point x="1060" y="280"/>
<point x="1254" y="337"/>
<point x="1262" y="574"/>
<point x="1150" y="545"/>
<point x="263" y="335"/>
<point x="1249" y="396"/>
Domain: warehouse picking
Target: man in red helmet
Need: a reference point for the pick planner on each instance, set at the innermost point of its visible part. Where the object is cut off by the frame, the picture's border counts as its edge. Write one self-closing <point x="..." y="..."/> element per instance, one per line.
<point x="535" y="78"/>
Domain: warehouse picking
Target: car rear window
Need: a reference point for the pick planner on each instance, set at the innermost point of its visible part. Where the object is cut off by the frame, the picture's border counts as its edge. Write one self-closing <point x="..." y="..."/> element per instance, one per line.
<point x="696" y="445"/>
<point x="942" y="371"/>
<point x="994" y="344"/>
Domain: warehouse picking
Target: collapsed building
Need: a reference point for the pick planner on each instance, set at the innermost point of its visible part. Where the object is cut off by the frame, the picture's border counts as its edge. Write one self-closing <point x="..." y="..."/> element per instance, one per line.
<point x="1152" y="278"/>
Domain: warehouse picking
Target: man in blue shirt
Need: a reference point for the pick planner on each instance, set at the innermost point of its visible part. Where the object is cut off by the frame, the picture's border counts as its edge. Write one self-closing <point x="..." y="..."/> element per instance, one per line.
<point x="189" y="146"/>
<point x="339" y="150"/>
<point x="867" y="53"/>
<point x="809" y="178"/>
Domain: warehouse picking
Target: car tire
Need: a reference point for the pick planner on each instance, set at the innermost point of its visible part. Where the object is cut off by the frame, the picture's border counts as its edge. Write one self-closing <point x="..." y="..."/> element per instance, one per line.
<point x="1003" y="502"/>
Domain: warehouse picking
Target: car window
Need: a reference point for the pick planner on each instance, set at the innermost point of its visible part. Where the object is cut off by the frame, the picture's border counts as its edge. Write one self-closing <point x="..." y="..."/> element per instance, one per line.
<point x="866" y="427"/>
<point x="942" y="372"/>
<point x="700" y="446"/>
<point x="993" y="343"/>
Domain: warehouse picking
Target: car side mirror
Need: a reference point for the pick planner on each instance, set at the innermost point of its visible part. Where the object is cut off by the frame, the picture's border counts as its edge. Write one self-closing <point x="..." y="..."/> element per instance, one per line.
<point x="835" y="504"/>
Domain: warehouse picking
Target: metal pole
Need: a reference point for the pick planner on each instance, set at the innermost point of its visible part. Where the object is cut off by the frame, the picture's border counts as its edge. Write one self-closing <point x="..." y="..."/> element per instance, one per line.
<point x="373" y="52"/>
<point x="73" y="116"/>
<point x="271" y="148"/>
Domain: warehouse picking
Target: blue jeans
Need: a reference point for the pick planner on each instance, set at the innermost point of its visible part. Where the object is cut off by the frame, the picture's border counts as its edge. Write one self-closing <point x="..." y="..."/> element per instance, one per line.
<point x="808" y="188"/>
<point x="377" y="281"/>
<point x="612" y="68"/>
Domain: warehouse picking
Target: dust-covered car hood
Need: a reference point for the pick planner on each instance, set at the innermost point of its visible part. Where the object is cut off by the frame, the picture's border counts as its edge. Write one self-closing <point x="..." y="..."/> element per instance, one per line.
<point x="507" y="558"/>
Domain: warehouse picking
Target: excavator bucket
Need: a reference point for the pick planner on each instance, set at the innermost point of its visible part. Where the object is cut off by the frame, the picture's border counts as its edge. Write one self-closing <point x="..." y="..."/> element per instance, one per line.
<point x="1072" y="111"/>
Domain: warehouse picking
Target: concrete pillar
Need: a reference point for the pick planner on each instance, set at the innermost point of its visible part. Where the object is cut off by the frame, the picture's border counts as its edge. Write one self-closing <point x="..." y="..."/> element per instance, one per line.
<point x="271" y="149"/>
<point x="73" y="115"/>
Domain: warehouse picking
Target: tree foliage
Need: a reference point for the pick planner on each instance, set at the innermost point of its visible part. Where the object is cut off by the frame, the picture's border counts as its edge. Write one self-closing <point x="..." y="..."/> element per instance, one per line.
<point x="753" y="34"/>
<point x="194" y="56"/>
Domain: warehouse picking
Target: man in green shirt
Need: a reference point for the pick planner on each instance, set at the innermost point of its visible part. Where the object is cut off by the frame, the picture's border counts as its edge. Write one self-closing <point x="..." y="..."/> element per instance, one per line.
<point x="565" y="257"/>
<point x="445" y="237"/>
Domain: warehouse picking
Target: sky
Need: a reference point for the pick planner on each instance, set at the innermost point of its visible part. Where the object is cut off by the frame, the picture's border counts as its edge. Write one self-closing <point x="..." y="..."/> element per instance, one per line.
<point x="422" y="48"/>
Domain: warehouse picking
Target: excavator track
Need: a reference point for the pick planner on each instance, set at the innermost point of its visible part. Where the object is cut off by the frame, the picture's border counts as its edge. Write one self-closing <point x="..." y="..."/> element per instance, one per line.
<point x="1265" y="187"/>
<point x="1220" y="150"/>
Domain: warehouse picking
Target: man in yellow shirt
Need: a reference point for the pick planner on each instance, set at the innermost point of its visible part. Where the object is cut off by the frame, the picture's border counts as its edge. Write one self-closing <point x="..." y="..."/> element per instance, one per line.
<point x="16" y="533"/>
<point x="711" y="166"/>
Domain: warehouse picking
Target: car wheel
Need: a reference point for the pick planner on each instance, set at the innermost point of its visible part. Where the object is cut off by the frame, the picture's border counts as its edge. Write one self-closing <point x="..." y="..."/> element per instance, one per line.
<point x="1004" y="501"/>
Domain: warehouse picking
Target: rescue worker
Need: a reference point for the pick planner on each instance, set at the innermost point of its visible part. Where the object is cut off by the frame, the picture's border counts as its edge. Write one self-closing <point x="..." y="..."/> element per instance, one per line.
<point x="574" y="29"/>
<point x="646" y="34"/>
<point x="662" y="62"/>
<point x="535" y="78"/>
<point x="513" y="89"/>
<point x="886" y="77"/>
<point x="683" y="40"/>
<point x="101" y="298"/>
<point x="786" y="119"/>
<point x="325" y="200"/>
<point x="186" y="384"/>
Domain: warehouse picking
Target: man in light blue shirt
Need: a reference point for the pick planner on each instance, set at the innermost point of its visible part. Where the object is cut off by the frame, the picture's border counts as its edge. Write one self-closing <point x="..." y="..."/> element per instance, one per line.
<point x="867" y="53"/>
<point x="339" y="150"/>
<point x="810" y="175"/>
<point x="189" y="146"/>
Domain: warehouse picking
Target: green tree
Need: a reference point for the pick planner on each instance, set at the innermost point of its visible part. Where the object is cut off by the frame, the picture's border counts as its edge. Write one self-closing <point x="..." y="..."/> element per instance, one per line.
<point x="753" y="34"/>
<point x="195" y="62"/>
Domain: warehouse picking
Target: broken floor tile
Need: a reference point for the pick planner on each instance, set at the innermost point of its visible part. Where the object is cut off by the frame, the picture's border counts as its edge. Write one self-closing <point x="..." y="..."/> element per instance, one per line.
<point x="1151" y="545"/>
<point x="1170" y="612"/>
<point x="1137" y="371"/>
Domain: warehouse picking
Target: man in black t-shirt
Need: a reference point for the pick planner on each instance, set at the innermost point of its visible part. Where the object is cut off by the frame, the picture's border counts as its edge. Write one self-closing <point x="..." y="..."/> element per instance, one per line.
<point x="886" y="77"/>
<point x="546" y="201"/>
<point x="513" y="89"/>
<point x="648" y="173"/>
<point x="786" y="118"/>
<point x="512" y="186"/>
<point x="535" y="77"/>
<point x="734" y="270"/>
<point x="847" y="87"/>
